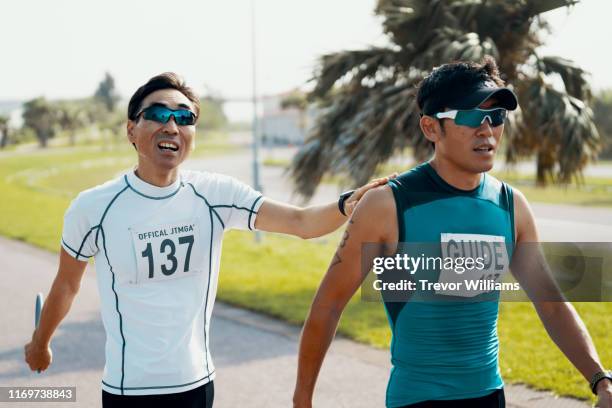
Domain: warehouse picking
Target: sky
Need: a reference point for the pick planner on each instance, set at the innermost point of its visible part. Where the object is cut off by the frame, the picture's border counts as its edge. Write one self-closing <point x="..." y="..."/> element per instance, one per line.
<point x="61" y="48"/>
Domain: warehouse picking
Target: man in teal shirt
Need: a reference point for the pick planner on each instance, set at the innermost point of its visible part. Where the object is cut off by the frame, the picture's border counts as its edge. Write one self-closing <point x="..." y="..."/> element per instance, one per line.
<point x="445" y="353"/>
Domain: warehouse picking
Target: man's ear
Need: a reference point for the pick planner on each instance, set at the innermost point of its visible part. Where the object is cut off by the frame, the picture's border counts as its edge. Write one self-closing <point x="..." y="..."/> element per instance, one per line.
<point x="130" y="132"/>
<point x="431" y="128"/>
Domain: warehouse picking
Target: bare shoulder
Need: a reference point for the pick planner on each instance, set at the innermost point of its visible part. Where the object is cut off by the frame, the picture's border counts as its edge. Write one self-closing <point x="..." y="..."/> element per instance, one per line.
<point x="376" y="212"/>
<point x="523" y="218"/>
<point x="519" y="197"/>
<point x="378" y="200"/>
<point x="522" y="209"/>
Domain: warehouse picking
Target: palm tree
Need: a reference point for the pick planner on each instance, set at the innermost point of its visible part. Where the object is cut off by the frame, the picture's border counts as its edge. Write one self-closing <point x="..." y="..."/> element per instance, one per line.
<point x="602" y="110"/>
<point x="368" y="96"/>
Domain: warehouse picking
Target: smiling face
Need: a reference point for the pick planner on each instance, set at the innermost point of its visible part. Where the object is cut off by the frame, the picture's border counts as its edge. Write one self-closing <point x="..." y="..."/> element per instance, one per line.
<point x="471" y="150"/>
<point x="162" y="147"/>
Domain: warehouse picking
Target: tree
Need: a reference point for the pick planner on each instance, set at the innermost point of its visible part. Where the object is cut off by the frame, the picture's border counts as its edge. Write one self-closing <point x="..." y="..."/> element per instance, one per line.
<point x="70" y="117"/>
<point x="602" y="109"/>
<point x="40" y="116"/>
<point x="113" y="124"/>
<point x="211" y="113"/>
<point x="4" y="131"/>
<point x="368" y="96"/>
<point x="106" y="92"/>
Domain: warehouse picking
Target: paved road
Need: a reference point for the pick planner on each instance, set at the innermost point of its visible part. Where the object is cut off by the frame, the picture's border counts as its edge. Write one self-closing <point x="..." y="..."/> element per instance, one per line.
<point x="255" y="356"/>
<point x="564" y="223"/>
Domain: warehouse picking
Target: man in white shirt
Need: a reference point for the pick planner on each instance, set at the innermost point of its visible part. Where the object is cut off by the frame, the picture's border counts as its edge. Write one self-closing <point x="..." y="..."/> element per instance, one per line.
<point x="155" y="233"/>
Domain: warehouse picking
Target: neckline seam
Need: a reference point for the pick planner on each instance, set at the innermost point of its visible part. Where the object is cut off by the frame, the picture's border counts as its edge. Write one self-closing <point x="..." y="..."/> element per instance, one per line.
<point x="179" y="186"/>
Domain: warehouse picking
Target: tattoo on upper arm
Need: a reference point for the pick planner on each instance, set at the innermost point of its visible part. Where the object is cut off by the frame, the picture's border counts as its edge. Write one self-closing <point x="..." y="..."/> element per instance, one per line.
<point x="336" y="260"/>
<point x="346" y="235"/>
<point x="345" y="238"/>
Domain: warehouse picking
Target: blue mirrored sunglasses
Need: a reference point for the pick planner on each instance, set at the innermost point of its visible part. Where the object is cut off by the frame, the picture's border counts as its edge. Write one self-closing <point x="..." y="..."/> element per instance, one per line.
<point x="161" y="114"/>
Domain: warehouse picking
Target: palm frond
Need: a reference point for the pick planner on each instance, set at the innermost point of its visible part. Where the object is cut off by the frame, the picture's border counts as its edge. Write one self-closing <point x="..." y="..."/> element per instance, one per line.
<point x="558" y="127"/>
<point x="360" y="128"/>
<point x="535" y="7"/>
<point x="448" y="45"/>
<point x="406" y="20"/>
<point x="368" y="96"/>
<point x="574" y="78"/>
<point x="333" y="67"/>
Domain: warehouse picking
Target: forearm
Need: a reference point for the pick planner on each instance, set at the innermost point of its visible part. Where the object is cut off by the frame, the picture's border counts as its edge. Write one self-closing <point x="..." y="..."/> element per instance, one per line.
<point x="56" y="307"/>
<point x="319" y="220"/>
<point x="317" y="335"/>
<point x="567" y="330"/>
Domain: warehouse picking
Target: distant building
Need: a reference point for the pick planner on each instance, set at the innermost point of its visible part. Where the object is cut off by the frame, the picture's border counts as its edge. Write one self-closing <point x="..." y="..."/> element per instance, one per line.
<point x="285" y="125"/>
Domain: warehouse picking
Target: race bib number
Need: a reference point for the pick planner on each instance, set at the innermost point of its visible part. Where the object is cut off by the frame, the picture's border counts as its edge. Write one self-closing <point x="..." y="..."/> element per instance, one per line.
<point x="472" y="263"/>
<point x="167" y="252"/>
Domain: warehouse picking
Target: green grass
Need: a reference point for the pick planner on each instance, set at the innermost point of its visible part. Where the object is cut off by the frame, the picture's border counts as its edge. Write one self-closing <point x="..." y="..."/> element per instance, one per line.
<point x="271" y="162"/>
<point x="529" y="356"/>
<point x="278" y="277"/>
<point x="594" y="191"/>
<point x="39" y="185"/>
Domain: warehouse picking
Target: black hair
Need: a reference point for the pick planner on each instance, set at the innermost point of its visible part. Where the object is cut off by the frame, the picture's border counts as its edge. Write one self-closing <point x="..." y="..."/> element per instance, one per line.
<point x="167" y="80"/>
<point x="434" y="90"/>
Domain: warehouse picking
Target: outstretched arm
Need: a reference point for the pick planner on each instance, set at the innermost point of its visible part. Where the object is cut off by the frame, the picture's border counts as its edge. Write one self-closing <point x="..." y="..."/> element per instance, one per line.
<point x="562" y="322"/>
<point x="309" y="222"/>
<point x="339" y="284"/>
<point x="65" y="287"/>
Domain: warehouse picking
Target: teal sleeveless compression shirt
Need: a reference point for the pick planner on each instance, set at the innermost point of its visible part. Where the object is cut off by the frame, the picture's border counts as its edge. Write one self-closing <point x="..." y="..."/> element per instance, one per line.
<point x="446" y="350"/>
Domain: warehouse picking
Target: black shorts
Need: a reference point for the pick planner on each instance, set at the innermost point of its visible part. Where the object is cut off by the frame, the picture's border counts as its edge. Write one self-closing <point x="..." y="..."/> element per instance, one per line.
<point x="496" y="399"/>
<point x="201" y="397"/>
